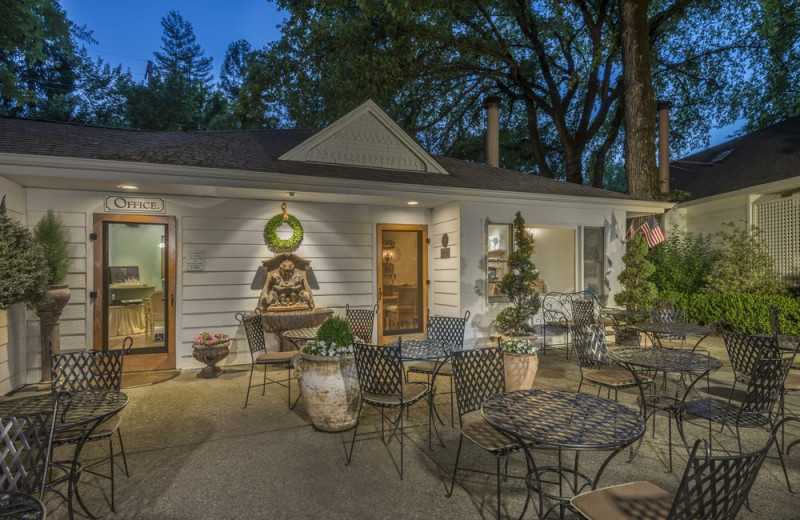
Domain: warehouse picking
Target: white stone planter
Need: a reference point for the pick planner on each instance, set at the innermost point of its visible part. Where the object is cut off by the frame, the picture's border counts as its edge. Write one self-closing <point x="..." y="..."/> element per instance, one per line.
<point x="330" y="391"/>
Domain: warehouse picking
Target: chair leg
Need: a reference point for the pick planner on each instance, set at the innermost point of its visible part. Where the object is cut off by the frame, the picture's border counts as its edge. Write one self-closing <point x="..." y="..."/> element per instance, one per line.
<point x="355" y="432"/>
<point x="498" y="486"/>
<point x="111" y="465"/>
<point x="264" y="382"/>
<point x="402" y="435"/>
<point x="250" y="384"/>
<point x="122" y="451"/>
<point x="455" y="468"/>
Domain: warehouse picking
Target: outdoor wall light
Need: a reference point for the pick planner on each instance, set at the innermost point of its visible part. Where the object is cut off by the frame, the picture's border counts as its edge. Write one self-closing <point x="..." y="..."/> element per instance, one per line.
<point x="412" y="202"/>
<point x="129" y="187"/>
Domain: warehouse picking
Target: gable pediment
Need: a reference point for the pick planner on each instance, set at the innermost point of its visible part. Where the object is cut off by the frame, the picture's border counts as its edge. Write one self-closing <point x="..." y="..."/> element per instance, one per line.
<point x="365" y="137"/>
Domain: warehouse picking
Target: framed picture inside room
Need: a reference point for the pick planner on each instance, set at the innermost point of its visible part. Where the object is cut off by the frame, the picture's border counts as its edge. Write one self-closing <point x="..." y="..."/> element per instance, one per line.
<point x="123" y="274"/>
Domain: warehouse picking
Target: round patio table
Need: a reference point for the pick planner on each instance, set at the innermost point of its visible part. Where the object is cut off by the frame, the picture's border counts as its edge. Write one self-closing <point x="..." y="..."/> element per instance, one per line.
<point x="541" y="419"/>
<point x="77" y="411"/>
<point x="655" y="330"/>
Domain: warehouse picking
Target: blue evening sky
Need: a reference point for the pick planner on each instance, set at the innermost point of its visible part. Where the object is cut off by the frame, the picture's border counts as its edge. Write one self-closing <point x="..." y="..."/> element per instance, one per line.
<point x="128" y="32"/>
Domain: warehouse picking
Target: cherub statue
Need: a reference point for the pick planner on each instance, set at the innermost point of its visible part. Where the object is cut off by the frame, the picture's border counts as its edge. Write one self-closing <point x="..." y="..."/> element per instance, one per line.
<point x="286" y="288"/>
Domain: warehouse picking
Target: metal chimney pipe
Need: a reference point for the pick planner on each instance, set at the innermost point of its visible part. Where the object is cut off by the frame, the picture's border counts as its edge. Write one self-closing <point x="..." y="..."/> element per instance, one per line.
<point x="492" y="106"/>
<point x="663" y="143"/>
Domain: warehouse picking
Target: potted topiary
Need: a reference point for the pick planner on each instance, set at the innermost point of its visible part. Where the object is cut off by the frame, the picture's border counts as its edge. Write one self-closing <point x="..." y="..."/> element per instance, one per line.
<point x="23" y="271"/>
<point x="520" y="363"/>
<point x="52" y="237"/>
<point x="514" y="322"/>
<point x="326" y="370"/>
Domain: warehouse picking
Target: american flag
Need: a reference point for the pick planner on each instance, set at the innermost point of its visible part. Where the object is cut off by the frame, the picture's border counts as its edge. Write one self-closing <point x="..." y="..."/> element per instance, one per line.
<point x="653" y="234"/>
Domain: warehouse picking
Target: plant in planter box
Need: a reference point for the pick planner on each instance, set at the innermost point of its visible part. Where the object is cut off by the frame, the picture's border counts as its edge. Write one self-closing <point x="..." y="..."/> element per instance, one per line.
<point x="520" y="362"/>
<point x="328" y="379"/>
<point x="23" y="270"/>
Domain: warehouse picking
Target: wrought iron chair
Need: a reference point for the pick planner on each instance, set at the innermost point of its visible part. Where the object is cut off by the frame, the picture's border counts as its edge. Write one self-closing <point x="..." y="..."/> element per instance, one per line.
<point x="478" y="375"/>
<point x="583" y="313"/>
<point x="743" y="351"/>
<point x="668" y="314"/>
<point x="92" y="370"/>
<point x="259" y="355"/>
<point x="451" y="332"/>
<point x="764" y="389"/>
<point x="713" y="486"/>
<point x="591" y="349"/>
<point x="380" y="376"/>
<point x="25" y="449"/>
<point x="362" y="321"/>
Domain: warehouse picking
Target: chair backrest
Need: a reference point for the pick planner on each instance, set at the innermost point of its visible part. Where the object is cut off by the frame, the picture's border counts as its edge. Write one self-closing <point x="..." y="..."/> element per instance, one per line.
<point x="766" y="382"/>
<point x="743" y="350"/>
<point x="157" y="303"/>
<point x="774" y="320"/>
<point x="667" y="315"/>
<point x="254" y="330"/>
<point x="361" y="321"/>
<point x="25" y="446"/>
<point x="583" y="312"/>
<point x="448" y="330"/>
<point x="86" y="370"/>
<point x="589" y="342"/>
<point x="478" y="375"/>
<point x="380" y="369"/>
<point x="716" y="486"/>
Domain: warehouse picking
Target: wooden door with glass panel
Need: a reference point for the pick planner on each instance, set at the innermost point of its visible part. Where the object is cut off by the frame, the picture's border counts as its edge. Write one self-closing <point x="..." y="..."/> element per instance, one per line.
<point x="402" y="281"/>
<point x="135" y="288"/>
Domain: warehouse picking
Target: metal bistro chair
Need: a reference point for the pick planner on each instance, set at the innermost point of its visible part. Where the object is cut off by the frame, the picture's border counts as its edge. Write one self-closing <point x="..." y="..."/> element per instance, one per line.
<point x="756" y="409"/>
<point x="668" y="315"/>
<point x="361" y="321"/>
<point x="92" y="370"/>
<point x="479" y="375"/>
<point x="792" y="383"/>
<point x="380" y="376"/>
<point x="743" y="351"/>
<point x="451" y="332"/>
<point x="591" y="349"/>
<point x="259" y="355"/>
<point x="713" y="486"/>
<point x="25" y="448"/>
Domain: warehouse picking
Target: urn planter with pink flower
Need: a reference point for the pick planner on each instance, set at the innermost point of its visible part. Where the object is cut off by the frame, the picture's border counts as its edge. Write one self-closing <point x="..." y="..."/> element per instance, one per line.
<point x="211" y="348"/>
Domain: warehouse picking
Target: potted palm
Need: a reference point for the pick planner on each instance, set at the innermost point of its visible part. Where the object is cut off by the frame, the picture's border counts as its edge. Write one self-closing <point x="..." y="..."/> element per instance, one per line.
<point x="52" y="237"/>
<point x="520" y="356"/>
<point x="326" y="370"/>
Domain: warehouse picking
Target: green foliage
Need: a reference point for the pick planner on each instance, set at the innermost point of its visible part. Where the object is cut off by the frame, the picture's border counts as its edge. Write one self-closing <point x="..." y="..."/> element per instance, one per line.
<point x="23" y="270"/>
<point x="518" y="284"/>
<point x="744" y="265"/>
<point x="682" y="263"/>
<point x="52" y="236"/>
<point x="334" y="338"/>
<point x="639" y="291"/>
<point x="748" y="313"/>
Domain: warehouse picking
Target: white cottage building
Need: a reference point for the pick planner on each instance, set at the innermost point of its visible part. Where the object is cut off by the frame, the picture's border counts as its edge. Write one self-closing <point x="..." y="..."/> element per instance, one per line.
<point x="752" y="180"/>
<point x="178" y="218"/>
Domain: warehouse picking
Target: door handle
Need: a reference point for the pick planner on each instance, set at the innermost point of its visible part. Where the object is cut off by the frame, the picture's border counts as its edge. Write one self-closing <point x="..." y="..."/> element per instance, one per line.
<point x="380" y="293"/>
<point x="172" y="300"/>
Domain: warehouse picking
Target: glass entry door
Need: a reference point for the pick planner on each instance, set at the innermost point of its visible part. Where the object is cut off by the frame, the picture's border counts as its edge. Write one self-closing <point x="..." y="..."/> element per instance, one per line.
<point x="135" y="282"/>
<point x="402" y="284"/>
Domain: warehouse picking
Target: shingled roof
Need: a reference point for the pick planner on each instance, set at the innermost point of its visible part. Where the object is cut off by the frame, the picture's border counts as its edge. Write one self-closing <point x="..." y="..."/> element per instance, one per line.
<point x="767" y="155"/>
<point x="255" y="150"/>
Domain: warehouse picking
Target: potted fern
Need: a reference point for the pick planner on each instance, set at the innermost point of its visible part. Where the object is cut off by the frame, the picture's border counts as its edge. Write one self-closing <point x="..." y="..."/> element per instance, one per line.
<point x="520" y="357"/>
<point x="326" y="370"/>
<point x="51" y="235"/>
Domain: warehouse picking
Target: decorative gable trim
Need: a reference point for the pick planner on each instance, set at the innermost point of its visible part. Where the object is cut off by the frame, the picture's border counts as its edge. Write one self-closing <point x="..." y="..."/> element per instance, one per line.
<point x="366" y="137"/>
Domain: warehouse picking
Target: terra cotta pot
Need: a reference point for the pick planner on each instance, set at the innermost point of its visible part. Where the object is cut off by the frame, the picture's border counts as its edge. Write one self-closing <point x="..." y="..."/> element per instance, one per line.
<point x="520" y="370"/>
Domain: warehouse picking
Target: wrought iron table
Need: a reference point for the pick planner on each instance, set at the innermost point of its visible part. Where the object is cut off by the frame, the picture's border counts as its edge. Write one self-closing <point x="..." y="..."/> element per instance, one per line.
<point x="81" y="410"/>
<point x="622" y="321"/>
<point x="655" y="330"/>
<point x="20" y="506"/>
<point x="664" y="360"/>
<point x="554" y="419"/>
<point x="298" y="337"/>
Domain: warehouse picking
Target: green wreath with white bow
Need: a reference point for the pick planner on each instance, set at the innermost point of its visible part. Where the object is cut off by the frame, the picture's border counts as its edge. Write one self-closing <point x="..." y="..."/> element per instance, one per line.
<point x="271" y="236"/>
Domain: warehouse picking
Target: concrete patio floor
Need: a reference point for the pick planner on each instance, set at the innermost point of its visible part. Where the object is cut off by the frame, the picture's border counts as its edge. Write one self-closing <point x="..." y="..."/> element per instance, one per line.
<point x="195" y="453"/>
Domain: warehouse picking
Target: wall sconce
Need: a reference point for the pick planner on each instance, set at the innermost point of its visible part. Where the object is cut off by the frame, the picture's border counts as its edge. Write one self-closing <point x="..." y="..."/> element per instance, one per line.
<point x="387" y="256"/>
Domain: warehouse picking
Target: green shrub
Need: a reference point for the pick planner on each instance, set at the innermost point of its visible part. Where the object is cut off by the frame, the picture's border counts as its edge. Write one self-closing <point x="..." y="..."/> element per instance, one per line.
<point x="518" y="284"/>
<point x="52" y="236"/>
<point x="334" y="338"/>
<point x="748" y="313"/>
<point x="639" y="291"/>
<point x="683" y="264"/>
<point x="23" y="270"/>
<point x="744" y="265"/>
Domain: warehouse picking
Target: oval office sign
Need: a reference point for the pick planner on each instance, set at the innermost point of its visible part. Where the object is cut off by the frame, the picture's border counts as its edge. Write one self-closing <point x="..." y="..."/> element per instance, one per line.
<point x="125" y="204"/>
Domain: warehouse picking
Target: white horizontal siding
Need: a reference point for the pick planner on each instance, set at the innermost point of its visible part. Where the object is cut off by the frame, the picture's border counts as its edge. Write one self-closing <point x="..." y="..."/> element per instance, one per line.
<point x="444" y="271"/>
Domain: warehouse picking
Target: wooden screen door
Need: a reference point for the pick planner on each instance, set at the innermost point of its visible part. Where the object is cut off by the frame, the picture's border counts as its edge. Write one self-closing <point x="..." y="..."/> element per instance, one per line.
<point x="402" y="281"/>
<point x="134" y="288"/>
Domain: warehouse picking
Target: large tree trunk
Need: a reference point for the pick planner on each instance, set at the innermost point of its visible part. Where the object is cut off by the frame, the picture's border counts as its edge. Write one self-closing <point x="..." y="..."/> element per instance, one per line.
<point x="639" y="101"/>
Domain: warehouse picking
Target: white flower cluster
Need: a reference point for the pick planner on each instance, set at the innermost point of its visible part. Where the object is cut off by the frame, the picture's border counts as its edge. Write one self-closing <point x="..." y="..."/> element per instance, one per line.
<point x="519" y="346"/>
<point x="321" y="348"/>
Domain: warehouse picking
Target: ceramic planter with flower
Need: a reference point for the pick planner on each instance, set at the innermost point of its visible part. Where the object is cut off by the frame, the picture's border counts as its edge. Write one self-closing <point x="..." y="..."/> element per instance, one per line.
<point x="211" y="348"/>
<point x="520" y="362"/>
<point x="326" y="370"/>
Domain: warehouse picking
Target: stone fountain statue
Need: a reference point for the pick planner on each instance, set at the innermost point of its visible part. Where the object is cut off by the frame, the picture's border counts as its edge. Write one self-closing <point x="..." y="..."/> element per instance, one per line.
<point x="286" y="302"/>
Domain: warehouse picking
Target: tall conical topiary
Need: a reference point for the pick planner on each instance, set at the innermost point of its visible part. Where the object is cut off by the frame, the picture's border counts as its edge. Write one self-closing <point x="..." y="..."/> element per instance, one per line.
<point x="519" y="284"/>
<point x="23" y="270"/>
<point x="639" y="291"/>
<point x="52" y="236"/>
